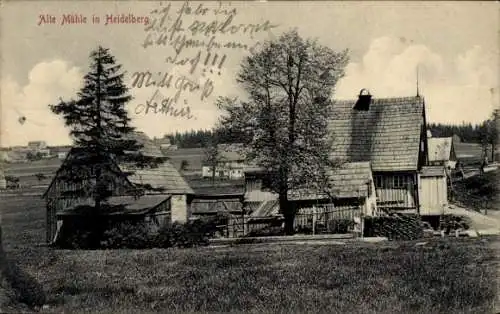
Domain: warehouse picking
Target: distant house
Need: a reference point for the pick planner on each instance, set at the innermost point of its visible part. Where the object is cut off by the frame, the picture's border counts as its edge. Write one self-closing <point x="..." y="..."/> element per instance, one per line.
<point x="39" y="148"/>
<point x="390" y="133"/>
<point x="168" y="202"/>
<point x="164" y="143"/>
<point x="37" y="145"/>
<point x="4" y="156"/>
<point x="44" y="153"/>
<point x="231" y="164"/>
<point x="60" y="151"/>
<point x="442" y="152"/>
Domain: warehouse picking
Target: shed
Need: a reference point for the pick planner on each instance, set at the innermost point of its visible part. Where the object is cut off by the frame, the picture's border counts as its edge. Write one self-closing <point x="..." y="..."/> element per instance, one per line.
<point x="169" y="189"/>
<point x="433" y="190"/>
<point x="442" y="152"/>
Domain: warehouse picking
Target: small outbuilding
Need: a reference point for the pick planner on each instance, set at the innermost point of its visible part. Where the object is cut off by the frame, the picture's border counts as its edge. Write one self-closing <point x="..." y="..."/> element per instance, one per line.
<point x="166" y="200"/>
<point x="433" y="190"/>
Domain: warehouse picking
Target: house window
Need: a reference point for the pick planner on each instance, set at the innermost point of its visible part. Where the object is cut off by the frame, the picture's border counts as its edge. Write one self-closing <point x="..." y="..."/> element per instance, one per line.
<point x="378" y="181"/>
<point x="399" y="182"/>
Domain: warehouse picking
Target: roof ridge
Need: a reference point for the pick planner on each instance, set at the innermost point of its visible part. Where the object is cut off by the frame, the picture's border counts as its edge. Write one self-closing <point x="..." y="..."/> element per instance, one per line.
<point x="381" y="100"/>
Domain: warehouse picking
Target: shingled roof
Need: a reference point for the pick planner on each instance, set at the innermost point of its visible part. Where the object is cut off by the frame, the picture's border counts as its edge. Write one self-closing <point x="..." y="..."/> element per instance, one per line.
<point x="387" y="134"/>
<point x="350" y="180"/>
<point x="149" y="148"/>
<point x="164" y="177"/>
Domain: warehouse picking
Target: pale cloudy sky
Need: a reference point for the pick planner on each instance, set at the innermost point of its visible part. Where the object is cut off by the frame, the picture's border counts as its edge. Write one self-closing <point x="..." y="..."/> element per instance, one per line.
<point x="456" y="46"/>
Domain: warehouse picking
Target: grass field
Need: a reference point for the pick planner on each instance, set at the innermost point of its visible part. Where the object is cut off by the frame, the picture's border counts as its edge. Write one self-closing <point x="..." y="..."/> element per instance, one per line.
<point x="470" y="153"/>
<point x="443" y="276"/>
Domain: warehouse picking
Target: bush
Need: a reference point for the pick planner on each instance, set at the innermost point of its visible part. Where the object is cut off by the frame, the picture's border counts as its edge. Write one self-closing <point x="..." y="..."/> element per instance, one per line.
<point x="128" y="235"/>
<point x="77" y="236"/>
<point x="394" y="227"/>
<point x="190" y="234"/>
<point x="88" y="234"/>
<point x="268" y="231"/>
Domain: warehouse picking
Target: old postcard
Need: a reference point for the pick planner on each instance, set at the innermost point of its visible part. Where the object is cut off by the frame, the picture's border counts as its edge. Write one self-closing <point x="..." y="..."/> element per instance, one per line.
<point x="216" y="156"/>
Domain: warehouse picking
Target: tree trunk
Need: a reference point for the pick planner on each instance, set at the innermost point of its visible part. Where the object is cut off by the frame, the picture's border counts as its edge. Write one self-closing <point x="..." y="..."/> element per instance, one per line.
<point x="492" y="152"/>
<point x="288" y="213"/>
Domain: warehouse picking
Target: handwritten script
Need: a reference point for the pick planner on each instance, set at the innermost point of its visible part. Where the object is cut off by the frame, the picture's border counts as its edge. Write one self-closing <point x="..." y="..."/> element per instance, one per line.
<point x="199" y="39"/>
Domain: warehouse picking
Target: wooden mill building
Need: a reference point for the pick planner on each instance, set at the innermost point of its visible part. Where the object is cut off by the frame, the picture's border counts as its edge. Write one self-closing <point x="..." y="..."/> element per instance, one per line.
<point x="384" y="139"/>
<point x="391" y="134"/>
<point x="166" y="200"/>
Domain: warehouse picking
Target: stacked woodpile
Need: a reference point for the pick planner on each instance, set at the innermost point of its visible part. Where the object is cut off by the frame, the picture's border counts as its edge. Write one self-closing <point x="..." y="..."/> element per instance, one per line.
<point x="394" y="226"/>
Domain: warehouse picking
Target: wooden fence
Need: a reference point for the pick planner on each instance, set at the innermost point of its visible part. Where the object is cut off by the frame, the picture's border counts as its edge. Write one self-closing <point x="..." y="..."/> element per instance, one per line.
<point x="238" y="226"/>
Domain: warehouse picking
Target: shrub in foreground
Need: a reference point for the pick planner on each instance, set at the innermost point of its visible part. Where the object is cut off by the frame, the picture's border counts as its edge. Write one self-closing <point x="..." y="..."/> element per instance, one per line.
<point x="127" y="235"/>
<point x="193" y="233"/>
<point x="136" y="235"/>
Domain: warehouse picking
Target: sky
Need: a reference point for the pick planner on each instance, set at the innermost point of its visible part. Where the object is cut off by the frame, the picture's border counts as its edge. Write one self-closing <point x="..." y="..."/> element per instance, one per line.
<point x="455" y="47"/>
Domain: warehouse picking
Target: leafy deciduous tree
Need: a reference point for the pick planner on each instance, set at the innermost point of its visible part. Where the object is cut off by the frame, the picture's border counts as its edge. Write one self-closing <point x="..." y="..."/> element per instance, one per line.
<point x="289" y="83"/>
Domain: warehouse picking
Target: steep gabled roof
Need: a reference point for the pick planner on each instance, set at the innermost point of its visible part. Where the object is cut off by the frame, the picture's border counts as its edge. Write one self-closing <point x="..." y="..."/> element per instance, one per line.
<point x="440" y="148"/>
<point x="387" y="134"/>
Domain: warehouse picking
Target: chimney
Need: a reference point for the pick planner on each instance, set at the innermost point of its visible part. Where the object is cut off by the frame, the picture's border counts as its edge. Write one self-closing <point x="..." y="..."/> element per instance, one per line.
<point x="364" y="100"/>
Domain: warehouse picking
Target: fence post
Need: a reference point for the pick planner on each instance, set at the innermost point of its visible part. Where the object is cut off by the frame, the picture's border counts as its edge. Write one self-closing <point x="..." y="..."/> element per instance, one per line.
<point x="314" y="219"/>
<point x="363" y="222"/>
